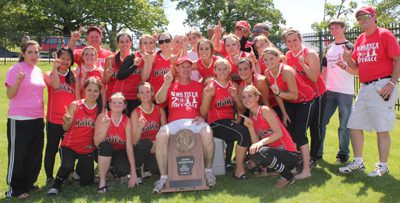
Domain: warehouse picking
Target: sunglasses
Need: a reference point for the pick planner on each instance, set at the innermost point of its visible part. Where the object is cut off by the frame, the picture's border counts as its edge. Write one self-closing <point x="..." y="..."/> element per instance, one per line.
<point x="364" y="17"/>
<point x="162" y="41"/>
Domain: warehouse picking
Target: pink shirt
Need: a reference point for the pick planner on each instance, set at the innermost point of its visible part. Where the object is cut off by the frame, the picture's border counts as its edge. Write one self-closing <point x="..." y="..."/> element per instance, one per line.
<point x="28" y="102"/>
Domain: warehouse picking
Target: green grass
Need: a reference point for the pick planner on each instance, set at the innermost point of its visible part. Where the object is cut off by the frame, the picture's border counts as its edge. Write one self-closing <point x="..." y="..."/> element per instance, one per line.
<point x="326" y="184"/>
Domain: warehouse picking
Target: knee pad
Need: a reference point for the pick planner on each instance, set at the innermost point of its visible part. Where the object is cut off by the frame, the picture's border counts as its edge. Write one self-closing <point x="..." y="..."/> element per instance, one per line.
<point x="105" y="149"/>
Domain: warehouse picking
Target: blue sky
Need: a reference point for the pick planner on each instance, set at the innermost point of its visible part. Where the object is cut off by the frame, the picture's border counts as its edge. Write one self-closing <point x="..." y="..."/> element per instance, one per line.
<point x="300" y="14"/>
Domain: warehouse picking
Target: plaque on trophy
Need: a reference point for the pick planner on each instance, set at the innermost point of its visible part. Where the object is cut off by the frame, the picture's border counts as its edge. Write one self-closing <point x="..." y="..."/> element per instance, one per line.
<point x="185" y="162"/>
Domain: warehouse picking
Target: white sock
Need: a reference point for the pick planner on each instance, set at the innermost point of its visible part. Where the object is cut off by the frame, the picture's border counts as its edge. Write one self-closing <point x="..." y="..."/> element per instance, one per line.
<point x="165" y="177"/>
<point x="384" y="164"/>
<point x="358" y="160"/>
<point x="208" y="170"/>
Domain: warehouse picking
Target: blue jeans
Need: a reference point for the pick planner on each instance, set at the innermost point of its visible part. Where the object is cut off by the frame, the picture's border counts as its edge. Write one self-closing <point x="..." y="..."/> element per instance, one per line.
<point x="344" y="102"/>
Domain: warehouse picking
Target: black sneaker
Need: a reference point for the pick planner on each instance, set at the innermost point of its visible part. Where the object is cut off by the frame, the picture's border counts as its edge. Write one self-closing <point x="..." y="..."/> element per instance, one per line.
<point x="342" y="158"/>
<point x="50" y="181"/>
<point x="313" y="163"/>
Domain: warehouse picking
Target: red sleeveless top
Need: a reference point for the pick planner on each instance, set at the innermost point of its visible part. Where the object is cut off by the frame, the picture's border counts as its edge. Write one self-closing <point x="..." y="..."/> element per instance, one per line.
<point x="79" y="136"/>
<point x="263" y="130"/>
<point x="204" y="71"/>
<point x="222" y="103"/>
<point x="153" y="123"/>
<point x="116" y="133"/>
<point x="64" y="95"/>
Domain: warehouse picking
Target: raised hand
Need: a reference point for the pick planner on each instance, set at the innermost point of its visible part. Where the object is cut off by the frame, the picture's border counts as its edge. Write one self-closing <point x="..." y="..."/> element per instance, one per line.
<point x="341" y="63"/>
<point x="106" y="119"/>
<point x="67" y="117"/>
<point x="168" y="79"/>
<point x="148" y="58"/>
<point x="346" y="53"/>
<point x="76" y="35"/>
<point x="56" y="62"/>
<point x="233" y="92"/>
<point x="174" y="58"/>
<point x="218" y="28"/>
<point x="275" y="89"/>
<point x="141" y="121"/>
<point x="209" y="90"/>
<point x="20" y="74"/>
<point x="302" y="59"/>
<point x="247" y="121"/>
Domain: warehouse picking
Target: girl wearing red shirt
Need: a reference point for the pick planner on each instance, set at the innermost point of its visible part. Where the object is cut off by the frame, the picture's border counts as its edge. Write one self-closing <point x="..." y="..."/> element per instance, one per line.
<point x="113" y="62"/>
<point x="232" y="46"/>
<point x="307" y="64"/>
<point x="297" y="96"/>
<point x="272" y="145"/>
<point x="61" y="85"/>
<point x="147" y="119"/>
<point x="79" y="120"/>
<point x="219" y="99"/>
<point x="206" y="62"/>
<point x="113" y="138"/>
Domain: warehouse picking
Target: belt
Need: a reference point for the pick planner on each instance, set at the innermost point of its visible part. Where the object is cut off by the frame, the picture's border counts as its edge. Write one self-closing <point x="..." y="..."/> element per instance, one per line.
<point x="369" y="82"/>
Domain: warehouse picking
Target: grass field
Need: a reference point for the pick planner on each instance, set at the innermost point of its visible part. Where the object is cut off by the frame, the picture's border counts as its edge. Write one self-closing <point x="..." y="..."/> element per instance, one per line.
<point x="326" y="185"/>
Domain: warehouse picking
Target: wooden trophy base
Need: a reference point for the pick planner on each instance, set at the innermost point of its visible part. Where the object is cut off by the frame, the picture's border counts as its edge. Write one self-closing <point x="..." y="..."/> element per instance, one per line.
<point x="185" y="163"/>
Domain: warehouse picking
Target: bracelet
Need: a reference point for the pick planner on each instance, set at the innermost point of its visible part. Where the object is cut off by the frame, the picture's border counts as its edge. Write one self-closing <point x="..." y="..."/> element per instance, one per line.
<point x="392" y="83"/>
<point x="278" y="93"/>
<point x="67" y="123"/>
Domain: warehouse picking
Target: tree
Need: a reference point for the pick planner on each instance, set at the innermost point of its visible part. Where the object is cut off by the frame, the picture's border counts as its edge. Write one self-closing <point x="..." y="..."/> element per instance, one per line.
<point x="206" y="13"/>
<point x="388" y="11"/>
<point x="331" y="11"/>
<point x="64" y="16"/>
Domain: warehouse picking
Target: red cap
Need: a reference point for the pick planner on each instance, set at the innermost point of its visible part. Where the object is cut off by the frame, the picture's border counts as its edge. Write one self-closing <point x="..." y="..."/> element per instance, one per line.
<point x="243" y="23"/>
<point x="94" y="28"/>
<point x="183" y="59"/>
<point x="366" y="10"/>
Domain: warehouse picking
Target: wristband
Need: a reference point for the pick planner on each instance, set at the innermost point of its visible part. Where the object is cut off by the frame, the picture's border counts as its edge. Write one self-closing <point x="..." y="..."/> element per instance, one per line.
<point x="279" y="93"/>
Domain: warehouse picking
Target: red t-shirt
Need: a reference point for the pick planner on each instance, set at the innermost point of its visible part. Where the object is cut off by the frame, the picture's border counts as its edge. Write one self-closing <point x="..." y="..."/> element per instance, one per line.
<point x="204" y="71"/>
<point x="79" y="136"/>
<point x="222" y="103"/>
<point x="263" y="130"/>
<point x="374" y="54"/>
<point x="305" y="92"/>
<point x="153" y="122"/>
<point x="160" y="67"/>
<point x="184" y="100"/>
<point x="293" y="61"/>
<point x="116" y="133"/>
<point x="101" y="58"/>
<point x="234" y="71"/>
<point x="58" y="98"/>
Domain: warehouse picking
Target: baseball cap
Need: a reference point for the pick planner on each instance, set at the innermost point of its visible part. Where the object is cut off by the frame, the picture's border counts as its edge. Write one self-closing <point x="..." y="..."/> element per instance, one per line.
<point x="94" y="28"/>
<point x="243" y="23"/>
<point x="366" y="10"/>
<point x="183" y="59"/>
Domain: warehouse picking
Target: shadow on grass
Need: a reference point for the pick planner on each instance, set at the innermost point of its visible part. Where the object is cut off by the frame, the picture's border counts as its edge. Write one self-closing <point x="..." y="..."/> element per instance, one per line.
<point x="387" y="185"/>
<point x="227" y="189"/>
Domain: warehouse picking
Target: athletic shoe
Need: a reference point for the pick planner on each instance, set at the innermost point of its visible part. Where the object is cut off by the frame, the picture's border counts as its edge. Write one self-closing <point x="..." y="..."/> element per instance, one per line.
<point x="75" y="176"/>
<point x="313" y="163"/>
<point x="351" y="167"/>
<point x="139" y="180"/>
<point x="379" y="170"/>
<point x="146" y="174"/>
<point x="159" y="185"/>
<point x="341" y="158"/>
<point x="211" y="180"/>
<point x="49" y="181"/>
<point x="52" y="191"/>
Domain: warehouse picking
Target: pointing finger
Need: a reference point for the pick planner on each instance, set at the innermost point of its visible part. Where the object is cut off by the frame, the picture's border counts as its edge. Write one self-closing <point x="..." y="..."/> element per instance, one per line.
<point x="66" y="110"/>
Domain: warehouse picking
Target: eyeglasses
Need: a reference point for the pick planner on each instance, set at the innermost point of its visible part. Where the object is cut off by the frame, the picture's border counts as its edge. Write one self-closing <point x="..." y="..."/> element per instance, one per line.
<point x="364" y="17"/>
<point x="162" y="41"/>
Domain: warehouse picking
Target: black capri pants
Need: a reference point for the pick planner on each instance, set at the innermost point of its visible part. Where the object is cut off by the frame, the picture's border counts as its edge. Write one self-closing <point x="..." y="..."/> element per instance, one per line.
<point x="230" y="131"/>
<point x="279" y="160"/>
<point x="120" y="166"/>
<point x="299" y="114"/>
<point x="85" y="165"/>
<point x="143" y="156"/>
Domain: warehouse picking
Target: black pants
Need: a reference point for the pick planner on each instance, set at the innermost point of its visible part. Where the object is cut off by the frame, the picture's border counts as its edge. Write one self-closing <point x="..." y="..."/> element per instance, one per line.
<point x="279" y="160"/>
<point x="54" y="134"/>
<point x="229" y="131"/>
<point x="120" y="166"/>
<point x="85" y="165"/>
<point x="143" y="156"/>
<point x="25" y="147"/>
<point x="299" y="114"/>
<point x="316" y="124"/>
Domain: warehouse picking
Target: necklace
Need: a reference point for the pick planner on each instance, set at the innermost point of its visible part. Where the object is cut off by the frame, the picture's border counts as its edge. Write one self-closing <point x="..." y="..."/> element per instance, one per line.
<point x="277" y="75"/>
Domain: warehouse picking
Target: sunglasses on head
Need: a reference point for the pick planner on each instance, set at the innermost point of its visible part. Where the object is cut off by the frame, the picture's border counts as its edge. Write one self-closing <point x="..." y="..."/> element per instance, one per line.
<point x="257" y="31"/>
<point x="162" y="41"/>
<point x="364" y="17"/>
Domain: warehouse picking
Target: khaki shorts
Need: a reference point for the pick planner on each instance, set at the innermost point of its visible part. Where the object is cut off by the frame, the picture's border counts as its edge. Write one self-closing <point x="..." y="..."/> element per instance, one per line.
<point x="175" y="126"/>
<point x="370" y="112"/>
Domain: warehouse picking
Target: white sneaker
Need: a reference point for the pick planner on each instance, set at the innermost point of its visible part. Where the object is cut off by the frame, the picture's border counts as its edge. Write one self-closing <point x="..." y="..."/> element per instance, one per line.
<point x="351" y="167"/>
<point x="75" y="176"/>
<point x="379" y="170"/>
<point x="159" y="185"/>
<point x="211" y="180"/>
<point x="52" y="191"/>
